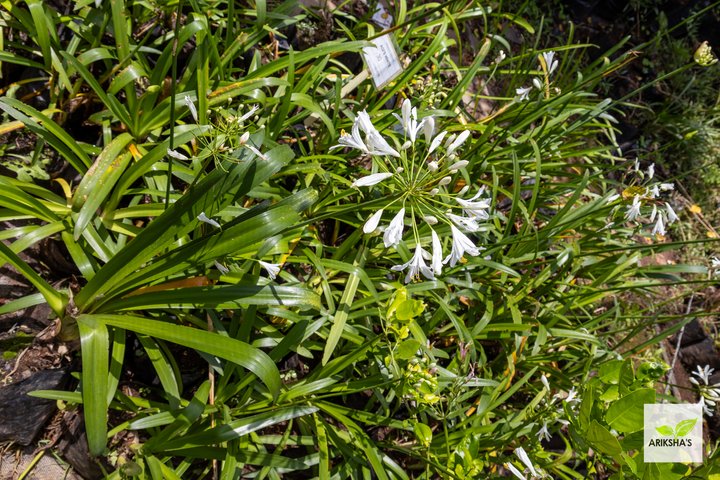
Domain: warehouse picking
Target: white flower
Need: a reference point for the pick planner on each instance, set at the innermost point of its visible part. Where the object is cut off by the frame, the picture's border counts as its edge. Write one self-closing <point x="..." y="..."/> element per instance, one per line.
<point x="476" y="210"/>
<point x="376" y="144"/>
<point x="257" y="152"/>
<point x="671" y="216"/>
<point x="543" y="432"/>
<point x="461" y="244"/>
<point x="706" y="410"/>
<point x="613" y="197"/>
<point x="659" y="227"/>
<point x="633" y="210"/>
<point x="445" y="181"/>
<point x="363" y="120"/>
<point x="523" y="93"/>
<point x="458" y="165"/>
<point x="433" y="166"/>
<point x="409" y="120"/>
<point x="393" y="233"/>
<point x="667" y="186"/>
<point x="468" y="223"/>
<point x="430" y="219"/>
<point x="704" y="373"/>
<point x="221" y="268"/>
<point x="248" y="114"/>
<point x="457" y="143"/>
<point x="437" y="141"/>
<point x="379" y="146"/>
<point x="651" y="171"/>
<point x="550" y="62"/>
<point x="272" y="268"/>
<point x="372" y="179"/>
<point x="500" y="57"/>
<point x="204" y="218"/>
<point x="191" y="107"/>
<point x="176" y="155"/>
<point x="523" y="456"/>
<point x="354" y="140"/>
<point x="436" y="253"/>
<point x="715" y="262"/>
<point x="372" y="222"/>
<point x="654" y="192"/>
<point x="545" y="382"/>
<point x="537" y="83"/>
<point x="653" y="214"/>
<point x="515" y="471"/>
<point x="415" y="266"/>
<point x="571" y="396"/>
<point x="428" y="125"/>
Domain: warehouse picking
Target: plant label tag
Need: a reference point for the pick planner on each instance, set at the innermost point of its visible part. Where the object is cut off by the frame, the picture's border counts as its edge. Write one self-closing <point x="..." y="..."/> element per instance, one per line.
<point x="382" y="17"/>
<point x="382" y="60"/>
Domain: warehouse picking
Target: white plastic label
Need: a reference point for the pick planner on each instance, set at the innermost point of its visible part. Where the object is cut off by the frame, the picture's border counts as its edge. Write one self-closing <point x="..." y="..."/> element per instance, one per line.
<point x="382" y="17"/>
<point x="382" y="60"/>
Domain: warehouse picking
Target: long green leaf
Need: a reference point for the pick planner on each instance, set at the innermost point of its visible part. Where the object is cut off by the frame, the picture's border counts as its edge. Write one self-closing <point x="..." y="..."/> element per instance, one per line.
<point x="213" y="193"/>
<point x="95" y="344"/>
<point x="254" y="360"/>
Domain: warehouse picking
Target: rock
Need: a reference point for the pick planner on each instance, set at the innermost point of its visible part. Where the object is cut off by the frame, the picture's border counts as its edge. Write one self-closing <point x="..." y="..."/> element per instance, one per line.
<point x="21" y="416"/>
<point x="701" y="353"/>
<point x="73" y="447"/>
<point x="694" y="333"/>
<point x="14" y="464"/>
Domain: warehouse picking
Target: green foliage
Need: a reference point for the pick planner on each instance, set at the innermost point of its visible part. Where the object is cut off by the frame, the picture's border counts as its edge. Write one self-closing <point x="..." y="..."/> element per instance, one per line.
<point x="211" y="152"/>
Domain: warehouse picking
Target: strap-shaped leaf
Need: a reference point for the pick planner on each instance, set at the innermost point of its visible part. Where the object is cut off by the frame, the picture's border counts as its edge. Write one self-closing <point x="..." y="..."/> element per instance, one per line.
<point x="250" y="228"/>
<point x="95" y="345"/>
<point x="221" y="296"/>
<point x="251" y="358"/>
<point x="99" y="181"/>
<point x="238" y="428"/>
<point x="214" y="192"/>
<point x="51" y="132"/>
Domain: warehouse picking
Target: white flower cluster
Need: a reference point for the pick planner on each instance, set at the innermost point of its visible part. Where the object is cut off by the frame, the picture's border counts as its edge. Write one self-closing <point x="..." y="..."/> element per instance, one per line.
<point x="529" y="467"/>
<point x="548" y="64"/>
<point x="709" y="394"/>
<point x="417" y="179"/>
<point x="646" y="203"/>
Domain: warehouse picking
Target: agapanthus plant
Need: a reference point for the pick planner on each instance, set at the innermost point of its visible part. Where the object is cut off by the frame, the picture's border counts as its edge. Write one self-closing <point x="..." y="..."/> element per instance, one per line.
<point x="418" y="180"/>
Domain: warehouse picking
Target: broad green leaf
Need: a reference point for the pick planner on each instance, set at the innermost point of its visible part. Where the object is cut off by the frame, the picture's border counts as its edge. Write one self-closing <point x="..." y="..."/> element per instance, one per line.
<point x="665" y="430"/>
<point x="626" y="415"/>
<point x="602" y="440"/>
<point x="423" y="434"/>
<point x="408" y="349"/>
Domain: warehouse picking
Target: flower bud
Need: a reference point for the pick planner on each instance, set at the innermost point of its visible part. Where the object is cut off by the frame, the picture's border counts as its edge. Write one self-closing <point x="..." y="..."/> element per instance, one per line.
<point x="444" y="181"/>
<point x="703" y="55"/>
